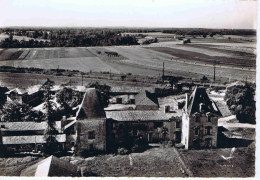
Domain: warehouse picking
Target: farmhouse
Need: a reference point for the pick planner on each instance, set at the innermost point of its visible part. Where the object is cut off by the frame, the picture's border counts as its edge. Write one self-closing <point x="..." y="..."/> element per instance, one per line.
<point x="125" y="127"/>
<point x="92" y="129"/>
<point x="199" y="120"/>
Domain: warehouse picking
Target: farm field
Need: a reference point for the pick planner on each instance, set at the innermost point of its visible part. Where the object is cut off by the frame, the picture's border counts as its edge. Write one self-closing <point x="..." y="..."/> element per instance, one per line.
<point x="43" y="53"/>
<point x="191" y="55"/>
<point x="85" y="64"/>
<point x="236" y="60"/>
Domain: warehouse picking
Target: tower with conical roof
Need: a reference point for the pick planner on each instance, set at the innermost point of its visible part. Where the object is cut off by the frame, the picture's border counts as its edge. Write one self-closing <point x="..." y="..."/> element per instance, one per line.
<point x="199" y="120"/>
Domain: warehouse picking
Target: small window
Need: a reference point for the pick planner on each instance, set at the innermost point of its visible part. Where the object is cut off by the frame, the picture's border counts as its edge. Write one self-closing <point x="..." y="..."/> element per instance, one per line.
<point x="91" y="135"/>
<point x="197" y="119"/>
<point x="2" y="126"/>
<point x="178" y="124"/>
<point x="72" y="143"/>
<point x="209" y="118"/>
<point x="208" y="130"/>
<point x="197" y="130"/>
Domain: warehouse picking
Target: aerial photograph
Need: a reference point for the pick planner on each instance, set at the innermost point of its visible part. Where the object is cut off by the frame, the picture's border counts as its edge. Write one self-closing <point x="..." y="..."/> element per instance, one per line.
<point x="128" y="88"/>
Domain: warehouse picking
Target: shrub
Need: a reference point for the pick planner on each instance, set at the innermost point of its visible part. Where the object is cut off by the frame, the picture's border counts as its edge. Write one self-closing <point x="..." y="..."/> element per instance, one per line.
<point x="122" y="151"/>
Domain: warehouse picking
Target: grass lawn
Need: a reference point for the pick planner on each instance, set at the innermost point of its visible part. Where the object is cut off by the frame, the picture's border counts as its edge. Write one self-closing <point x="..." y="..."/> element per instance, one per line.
<point x="155" y="162"/>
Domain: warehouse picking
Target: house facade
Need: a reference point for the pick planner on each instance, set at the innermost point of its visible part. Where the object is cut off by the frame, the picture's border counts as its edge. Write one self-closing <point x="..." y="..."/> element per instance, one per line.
<point x="124" y="127"/>
<point x="199" y="121"/>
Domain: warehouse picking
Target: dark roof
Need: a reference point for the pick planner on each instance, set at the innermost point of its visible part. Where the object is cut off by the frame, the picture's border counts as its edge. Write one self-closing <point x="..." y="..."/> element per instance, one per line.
<point x="92" y="105"/>
<point x="135" y="115"/>
<point x="146" y="98"/>
<point x="200" y="97"/>
<point x="51" y="166"/>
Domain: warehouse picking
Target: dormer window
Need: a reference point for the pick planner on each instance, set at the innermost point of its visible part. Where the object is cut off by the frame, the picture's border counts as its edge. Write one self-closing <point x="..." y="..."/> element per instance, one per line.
<point x="208" y="117"/>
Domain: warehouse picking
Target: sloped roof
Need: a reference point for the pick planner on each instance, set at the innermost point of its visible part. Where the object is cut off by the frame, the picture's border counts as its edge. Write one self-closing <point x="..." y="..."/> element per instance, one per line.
<point x="146" y="98"/>
<point x="31" y="139"/>
<point x="200" y="96"/>
<point x="33" y="89"/>
<point x="51" y="166"/>
<point x="28" y="126"/>
<point x="92" y="105"/>
<point x="237" y="83"/>
<point x="129" y="89"/>
<point x="16" y="90"/>
<point x="134" y="115"/>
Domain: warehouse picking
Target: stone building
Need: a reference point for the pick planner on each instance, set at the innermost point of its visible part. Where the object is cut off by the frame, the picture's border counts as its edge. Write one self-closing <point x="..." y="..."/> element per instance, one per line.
<point x="199" y="121"/>
<point x="91" y="123"/>
<point x="126" y="126"/>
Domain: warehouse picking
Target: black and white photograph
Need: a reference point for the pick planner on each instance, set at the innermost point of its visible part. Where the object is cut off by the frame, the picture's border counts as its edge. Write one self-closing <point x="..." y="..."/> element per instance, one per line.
<point x="128" y="88"/>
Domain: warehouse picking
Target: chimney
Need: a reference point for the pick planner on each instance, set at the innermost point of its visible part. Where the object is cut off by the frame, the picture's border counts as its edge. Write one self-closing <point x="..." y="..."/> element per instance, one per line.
<point x="64" y="118"/>
<point x="187" y="101"/>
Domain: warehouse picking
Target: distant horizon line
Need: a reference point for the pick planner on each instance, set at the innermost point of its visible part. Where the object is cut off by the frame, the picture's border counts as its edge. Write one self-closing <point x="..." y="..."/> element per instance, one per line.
<point x="132" y="27"/>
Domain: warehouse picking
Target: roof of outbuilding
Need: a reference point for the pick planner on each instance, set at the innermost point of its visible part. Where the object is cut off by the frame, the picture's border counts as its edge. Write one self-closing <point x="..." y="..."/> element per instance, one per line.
<point x="135" y="115"/>
<point x="51" y="166"/>
<point x="27" y="126"/>
<point x="16" y="90"/>
<point x="31" y="139"/>
<point x="146" y="98"/>
<point x="129" y="89"/>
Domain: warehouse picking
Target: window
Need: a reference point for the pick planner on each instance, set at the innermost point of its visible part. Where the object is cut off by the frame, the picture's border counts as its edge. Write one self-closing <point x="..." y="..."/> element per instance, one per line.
<point x="72" y="143"/>
<point x="178" y="124"/>
<point x="2" y="126"/>
<point x="209" y="118"/>
<point x="91" y="135"/>
<point x="208" y="130"/>
<point x="197" y="118"/>
<point x="197" y="130"/>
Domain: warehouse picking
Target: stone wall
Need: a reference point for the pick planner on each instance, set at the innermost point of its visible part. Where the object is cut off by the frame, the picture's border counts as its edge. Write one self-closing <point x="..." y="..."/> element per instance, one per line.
<point x="96" y="128"/>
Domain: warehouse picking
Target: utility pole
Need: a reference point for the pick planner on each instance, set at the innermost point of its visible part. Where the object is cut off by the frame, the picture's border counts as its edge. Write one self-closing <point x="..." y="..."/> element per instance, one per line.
<point x="163" y="72"/>
<point x="214" y="66"/>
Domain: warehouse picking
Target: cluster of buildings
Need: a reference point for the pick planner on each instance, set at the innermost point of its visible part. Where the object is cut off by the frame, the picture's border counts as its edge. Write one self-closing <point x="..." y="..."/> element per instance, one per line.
<point x="190" y="120"/>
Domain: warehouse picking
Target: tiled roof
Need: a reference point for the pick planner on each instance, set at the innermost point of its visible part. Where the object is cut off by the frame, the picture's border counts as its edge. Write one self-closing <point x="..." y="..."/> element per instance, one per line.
<point x="134" y="115"/>
<point x="27" y="126"/>
<point x="33" y="89"/>
<point x="146" y="98"/>
<point x="129" y="89"/>
<point x="92" y="105"/>
<point x="16" y="90"/>
<point x="30" y="139"/>
<point x="200" y="96"/>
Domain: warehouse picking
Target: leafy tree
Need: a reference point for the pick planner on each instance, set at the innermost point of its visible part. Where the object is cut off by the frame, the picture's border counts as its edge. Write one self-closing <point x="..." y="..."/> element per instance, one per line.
<point x="51" y="132"/>
<point x="240" y="101"/>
